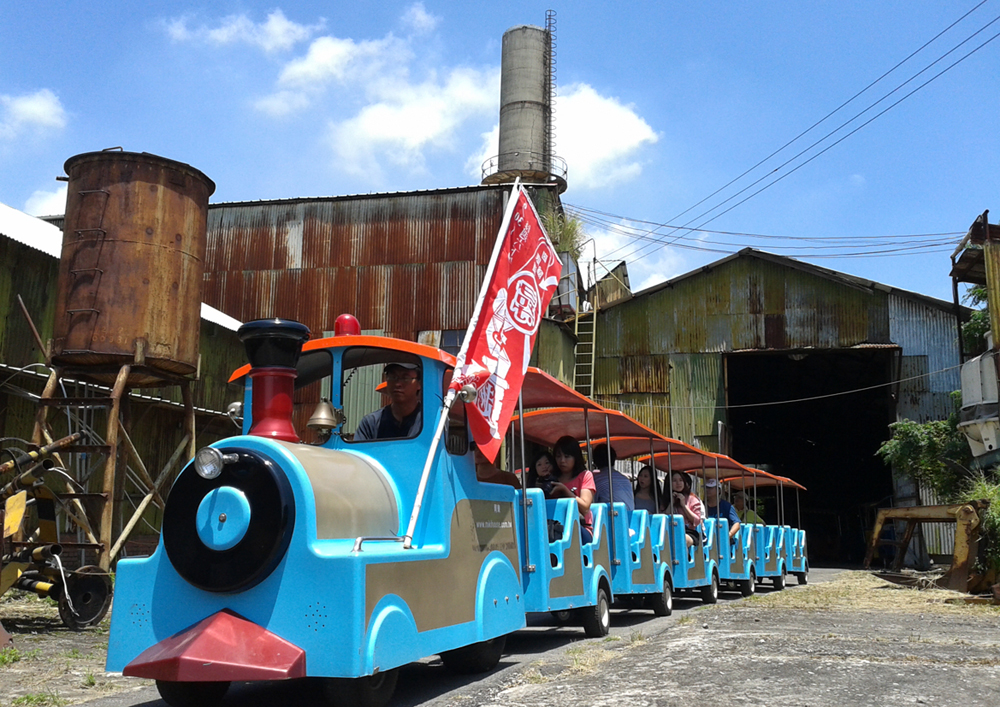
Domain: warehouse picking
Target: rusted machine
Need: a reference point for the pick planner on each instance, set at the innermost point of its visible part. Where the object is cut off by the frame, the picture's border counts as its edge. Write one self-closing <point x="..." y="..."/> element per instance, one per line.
<point x="965" y="516"/>
<point x="30" y="551"/>
<point x="127" y="315"/>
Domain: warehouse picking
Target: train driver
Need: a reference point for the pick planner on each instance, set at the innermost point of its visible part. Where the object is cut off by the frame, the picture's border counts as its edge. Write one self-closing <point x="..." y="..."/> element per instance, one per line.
<point x="401" y="417"/>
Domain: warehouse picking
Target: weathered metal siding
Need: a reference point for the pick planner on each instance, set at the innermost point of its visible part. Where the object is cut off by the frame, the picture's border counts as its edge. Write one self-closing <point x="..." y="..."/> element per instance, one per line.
<point x="31" y="274"/>
<point x="554" y="351"/>
<point x="697" y="395"/>
<point x="746" y="303"/>
<point x="651" y="409"/>
<point x="404" y="263"/>
<point x="929" y="339"/>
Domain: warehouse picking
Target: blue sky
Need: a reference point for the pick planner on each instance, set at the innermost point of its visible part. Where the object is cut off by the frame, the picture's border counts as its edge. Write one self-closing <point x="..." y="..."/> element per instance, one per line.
<point x="659" y="106"/>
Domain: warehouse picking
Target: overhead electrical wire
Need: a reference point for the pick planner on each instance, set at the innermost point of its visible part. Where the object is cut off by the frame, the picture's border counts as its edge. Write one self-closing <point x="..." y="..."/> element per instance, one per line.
<point x="606" y="401"/>
<point x="653" y="241"/>
<point x="646" y="250"/>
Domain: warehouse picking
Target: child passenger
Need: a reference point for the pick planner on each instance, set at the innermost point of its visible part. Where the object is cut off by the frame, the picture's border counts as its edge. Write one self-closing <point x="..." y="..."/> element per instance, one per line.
<point x="686" y="504"/>
<point x="575" y="481"/>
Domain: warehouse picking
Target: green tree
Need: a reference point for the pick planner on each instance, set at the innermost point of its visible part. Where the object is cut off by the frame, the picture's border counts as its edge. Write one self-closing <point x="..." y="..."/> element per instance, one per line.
<point x="565" y="232"/>
<point x="936" y="454"/>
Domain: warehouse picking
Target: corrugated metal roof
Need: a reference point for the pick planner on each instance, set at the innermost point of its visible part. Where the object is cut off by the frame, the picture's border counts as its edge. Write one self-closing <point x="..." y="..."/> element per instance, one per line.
<point x="859" y="283"/>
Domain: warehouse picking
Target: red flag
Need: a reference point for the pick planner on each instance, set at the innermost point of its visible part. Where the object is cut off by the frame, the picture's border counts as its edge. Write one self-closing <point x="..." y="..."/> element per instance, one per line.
<point x="520" y="281"/>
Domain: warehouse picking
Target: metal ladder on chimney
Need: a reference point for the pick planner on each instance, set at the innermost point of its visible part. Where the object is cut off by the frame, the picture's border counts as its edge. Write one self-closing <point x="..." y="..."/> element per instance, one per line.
<point x="584" y="353"/>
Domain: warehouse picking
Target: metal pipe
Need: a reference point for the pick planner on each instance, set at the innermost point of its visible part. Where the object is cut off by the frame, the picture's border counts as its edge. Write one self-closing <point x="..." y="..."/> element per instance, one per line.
<point x="611" y="489"/>
<point x="528" y="567"/>
<point x="41" y="452"/>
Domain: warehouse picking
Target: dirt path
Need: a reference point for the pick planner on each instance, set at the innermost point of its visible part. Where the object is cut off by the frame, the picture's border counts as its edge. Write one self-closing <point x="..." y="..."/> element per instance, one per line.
<point x="854" y="640"/>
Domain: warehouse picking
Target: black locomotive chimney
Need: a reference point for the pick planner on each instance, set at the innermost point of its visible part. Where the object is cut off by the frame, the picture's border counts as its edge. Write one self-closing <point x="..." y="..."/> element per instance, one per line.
<point x="273" y="347"/>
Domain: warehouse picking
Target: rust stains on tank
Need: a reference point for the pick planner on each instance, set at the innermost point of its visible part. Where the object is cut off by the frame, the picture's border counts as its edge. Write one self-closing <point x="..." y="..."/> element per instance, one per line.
<point x="130" y="277"/>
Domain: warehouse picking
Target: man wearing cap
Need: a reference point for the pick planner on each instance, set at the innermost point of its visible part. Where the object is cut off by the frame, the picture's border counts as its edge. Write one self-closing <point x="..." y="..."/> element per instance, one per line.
<point x="720" y="508"/>
<point x="401" y="417"/>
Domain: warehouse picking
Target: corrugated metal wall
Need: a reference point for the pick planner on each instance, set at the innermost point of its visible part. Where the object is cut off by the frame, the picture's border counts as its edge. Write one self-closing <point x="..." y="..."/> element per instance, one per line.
<point x="929" y="338"/>
<point x="746" y="303"/>
<point x="403" y="263"/>
<point x="554" y="351"/>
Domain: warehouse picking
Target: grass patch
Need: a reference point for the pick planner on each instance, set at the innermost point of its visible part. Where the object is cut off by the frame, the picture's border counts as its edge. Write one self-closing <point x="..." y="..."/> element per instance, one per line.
<point x="863" y="591"/>
<point x="39" y="699"/>
<point x="9" y="656"/>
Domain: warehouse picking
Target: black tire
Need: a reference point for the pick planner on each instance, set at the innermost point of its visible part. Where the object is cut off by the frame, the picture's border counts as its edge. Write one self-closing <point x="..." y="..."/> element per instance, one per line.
<point x="368" y="691"/>
<point x="748" y="587"/>
<point x="85" y="599"/>
<point x="192" y="694"/>
<point x="779" y="581"/>
<point x="663" y="603"/>
<point x="478" y="658"/>
<point x="802" y="577"/>
<point x="710" y="592"/>
<point x="596" y="619"/>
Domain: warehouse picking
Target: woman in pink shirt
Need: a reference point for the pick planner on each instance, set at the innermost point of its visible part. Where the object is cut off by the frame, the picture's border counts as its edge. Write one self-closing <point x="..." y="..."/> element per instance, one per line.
<point x="688" y="505"/>
<point x="574" y="480"/>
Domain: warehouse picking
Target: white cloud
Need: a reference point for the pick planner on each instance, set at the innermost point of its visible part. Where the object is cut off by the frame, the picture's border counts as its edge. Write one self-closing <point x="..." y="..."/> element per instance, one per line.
<point x="598" y="137"/>
<point x="277" y="33"/>
<point x="406" y="119"/>
<point x="282" y="103"/>
<point x="490" y="148"/>
<point x="858" y="180"/>
<point x="332" y="59"/>
<point x="37" y="112"/>
<point x="46" y="203"/>
<point x="419" y="20"/>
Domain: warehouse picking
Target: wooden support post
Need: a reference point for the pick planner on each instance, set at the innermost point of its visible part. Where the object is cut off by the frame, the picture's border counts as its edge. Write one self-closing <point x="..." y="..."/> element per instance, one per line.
<point x="42" y="414"/>
<point x="154" y="491"/>
<point x="189" y="418"/>
<point x="139" y="466"/>
<point x="108" y="514"/>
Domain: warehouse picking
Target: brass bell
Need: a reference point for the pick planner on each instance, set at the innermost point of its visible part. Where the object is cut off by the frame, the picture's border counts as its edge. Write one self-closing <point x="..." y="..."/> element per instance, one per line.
<point x="325" y="417"/>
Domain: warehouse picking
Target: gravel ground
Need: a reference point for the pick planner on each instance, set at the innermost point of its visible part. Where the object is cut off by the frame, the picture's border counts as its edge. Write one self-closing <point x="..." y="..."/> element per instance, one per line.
<point x="855" y="640"/>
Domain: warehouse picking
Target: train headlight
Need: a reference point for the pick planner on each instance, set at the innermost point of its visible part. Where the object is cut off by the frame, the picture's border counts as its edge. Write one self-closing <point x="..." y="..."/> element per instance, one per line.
<point x="208" y="462"/>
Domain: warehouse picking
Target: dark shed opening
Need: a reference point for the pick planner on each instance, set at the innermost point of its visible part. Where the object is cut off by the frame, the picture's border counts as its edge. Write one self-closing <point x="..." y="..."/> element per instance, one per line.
<point x="828" y="444"/>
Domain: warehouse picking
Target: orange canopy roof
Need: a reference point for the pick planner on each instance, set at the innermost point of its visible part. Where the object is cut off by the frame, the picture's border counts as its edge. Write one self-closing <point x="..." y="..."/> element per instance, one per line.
<point x="700" y="463"/>
<point x="627" y="447"/>
<point x="545" y="427"/>
<point x="764" y="479"/>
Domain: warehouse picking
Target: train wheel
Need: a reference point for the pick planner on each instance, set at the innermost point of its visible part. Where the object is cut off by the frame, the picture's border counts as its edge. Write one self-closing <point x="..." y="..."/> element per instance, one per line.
<point x="710" y="592"/>
<point x="191" y="694"/>
<point x="779" y="581"/>
<point x="85" y="598"/>
<point x="663" y="603"/>
<point x="802" y="577"/>
<point x="563" y="617"/>
<point x="597" y="619"/>
<point x="749" y="586"/>
<point x="477" y="658"/>
<point x="368" y="691"/>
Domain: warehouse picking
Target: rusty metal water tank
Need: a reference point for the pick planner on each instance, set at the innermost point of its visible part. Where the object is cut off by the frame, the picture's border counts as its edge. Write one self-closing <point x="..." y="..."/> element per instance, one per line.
<point x="130" y="278"/>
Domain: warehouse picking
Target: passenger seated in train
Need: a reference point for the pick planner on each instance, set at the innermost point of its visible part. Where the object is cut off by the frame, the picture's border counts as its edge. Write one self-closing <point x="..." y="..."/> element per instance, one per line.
<point x="608" y="479"/>
<point x="643" y="491"/>
<point x="575" y="481"/>
<point x="401" y="417"/>
<point x="720" y="508"/>
<point x="686" y="504"/>
<point x="487" y="472"/>
<point x="746" y="514"/>
<point x="542" y="474"/>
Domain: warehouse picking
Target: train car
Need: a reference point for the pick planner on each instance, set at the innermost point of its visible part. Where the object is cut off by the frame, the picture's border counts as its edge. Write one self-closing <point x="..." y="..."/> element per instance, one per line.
<point x="340" y="560"/>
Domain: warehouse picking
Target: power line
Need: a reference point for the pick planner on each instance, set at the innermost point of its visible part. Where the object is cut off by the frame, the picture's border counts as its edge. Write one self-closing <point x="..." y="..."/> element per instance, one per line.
<point x="603" y="401"/>
<point x="642" y="250"/>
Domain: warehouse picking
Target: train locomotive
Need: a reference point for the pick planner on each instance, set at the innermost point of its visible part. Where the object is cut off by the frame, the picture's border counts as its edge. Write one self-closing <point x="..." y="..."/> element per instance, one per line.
<point x="281" y="560"/>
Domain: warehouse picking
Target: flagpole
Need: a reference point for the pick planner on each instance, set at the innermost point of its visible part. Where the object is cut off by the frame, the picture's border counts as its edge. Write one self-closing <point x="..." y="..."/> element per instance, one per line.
<point x="450" y="396"/>
<point x="485" y="289"/>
